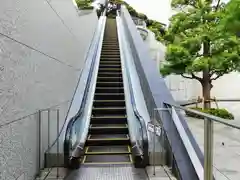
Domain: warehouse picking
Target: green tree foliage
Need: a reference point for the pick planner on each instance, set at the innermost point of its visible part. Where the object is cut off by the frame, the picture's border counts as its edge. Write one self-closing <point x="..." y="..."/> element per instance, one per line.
<point x="231" y="20"/>
<point x="152" y="25"/>
<point x="194" y="29"/>
<point x="84" y="4"/>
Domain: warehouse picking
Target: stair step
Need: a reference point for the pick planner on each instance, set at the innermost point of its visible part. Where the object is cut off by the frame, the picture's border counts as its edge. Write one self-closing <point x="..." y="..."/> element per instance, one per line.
<point x="109" y="96"/>
<point x="96" y="126"/>
<point x="110" y="48"/>
<point x="109" y="103"/>
<point x="109" y="90"/>
<point x="118" y="66"/>
<point x="107" y="159"/>
<point x="116" y="59"/>
<point x="105" y="50"/>
<point x="108" y="111"/>
<point x="112" y="70"/>
<point x="108" y="129"/>
<point x="110" y="84"/>
<point x="107" y="139"/>
<point x="113" y="137"/>
<point x="112" y="74"/>
<point x="110" y="79"/>
<point x="108" y="142"/>
<point x="110" y="62"/>
<point x="109" y="120"/>
<point x="108" y="150"/>
<point x="110" y="56"/>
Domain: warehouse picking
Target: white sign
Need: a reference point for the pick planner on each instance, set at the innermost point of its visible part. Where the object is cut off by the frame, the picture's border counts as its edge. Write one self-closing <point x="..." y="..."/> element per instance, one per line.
<point x="158" y="130"/>
<point x="150" y="128"/>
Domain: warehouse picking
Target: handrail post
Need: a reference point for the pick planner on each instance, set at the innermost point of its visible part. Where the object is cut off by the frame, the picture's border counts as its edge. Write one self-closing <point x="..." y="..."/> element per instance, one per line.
<point x="58" y="162"/>
<point x="208" y="149"/>
<point x="39" y="140"/>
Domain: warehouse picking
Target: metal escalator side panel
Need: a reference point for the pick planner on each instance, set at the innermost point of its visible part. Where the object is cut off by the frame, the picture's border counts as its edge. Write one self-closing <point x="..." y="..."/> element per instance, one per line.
<point x="135" y="120"/>
<point x="77" y="129"/>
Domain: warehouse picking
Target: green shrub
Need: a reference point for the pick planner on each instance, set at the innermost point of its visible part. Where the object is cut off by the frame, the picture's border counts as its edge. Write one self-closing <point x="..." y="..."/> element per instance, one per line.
<point x="222" y="113"/>
<point x="84" y="4"/>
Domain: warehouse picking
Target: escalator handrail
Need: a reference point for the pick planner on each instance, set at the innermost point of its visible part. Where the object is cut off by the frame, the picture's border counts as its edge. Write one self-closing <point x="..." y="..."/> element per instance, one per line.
<point x="81" y="106"/>
<point x="80" y="112"/>
<point x="140" y="120"/>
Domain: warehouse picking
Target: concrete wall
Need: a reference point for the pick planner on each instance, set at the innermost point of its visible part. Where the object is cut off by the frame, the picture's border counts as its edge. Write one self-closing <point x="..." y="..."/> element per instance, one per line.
<point x="42" y="50"/>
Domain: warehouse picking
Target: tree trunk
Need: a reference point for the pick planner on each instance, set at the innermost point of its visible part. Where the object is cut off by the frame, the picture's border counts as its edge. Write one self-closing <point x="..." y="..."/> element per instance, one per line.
<point x="206" y="89"/>
<point x="206" y="81"/>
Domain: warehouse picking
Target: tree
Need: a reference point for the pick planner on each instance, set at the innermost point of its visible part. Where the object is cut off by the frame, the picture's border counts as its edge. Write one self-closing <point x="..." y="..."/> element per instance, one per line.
<point x="231" y="20"/>
<point x="193" y="29"/>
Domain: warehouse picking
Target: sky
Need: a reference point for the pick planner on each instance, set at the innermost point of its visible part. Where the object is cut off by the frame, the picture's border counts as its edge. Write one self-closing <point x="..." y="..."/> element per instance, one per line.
<point x="159" y="10"/>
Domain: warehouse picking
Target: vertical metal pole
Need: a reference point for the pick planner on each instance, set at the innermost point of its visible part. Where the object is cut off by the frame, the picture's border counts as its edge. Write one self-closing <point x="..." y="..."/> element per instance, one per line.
<point x="48" y="129"/>
<point x="57" y="143"/>
<point x="39" y="140"/>
<point x="208" y="149"/>
<point x="154" y="139"/>
<point x="46" y="155"/>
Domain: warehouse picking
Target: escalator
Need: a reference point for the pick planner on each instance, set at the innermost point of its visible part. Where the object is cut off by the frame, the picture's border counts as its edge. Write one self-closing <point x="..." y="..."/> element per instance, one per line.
<point x="108" y="140"/>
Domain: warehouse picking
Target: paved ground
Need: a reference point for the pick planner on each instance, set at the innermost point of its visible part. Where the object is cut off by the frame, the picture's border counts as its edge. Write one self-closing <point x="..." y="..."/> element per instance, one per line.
<point x="226" y="148"/>
<point x="114" y="173"/>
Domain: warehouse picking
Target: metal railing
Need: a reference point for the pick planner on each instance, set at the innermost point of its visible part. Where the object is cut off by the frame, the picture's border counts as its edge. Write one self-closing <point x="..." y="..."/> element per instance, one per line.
<point x="49" y="145"/>
<point x="208" y="171"/>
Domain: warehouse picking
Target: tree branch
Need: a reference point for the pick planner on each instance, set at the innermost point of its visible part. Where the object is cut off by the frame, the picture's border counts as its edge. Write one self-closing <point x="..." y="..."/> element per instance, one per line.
<point x="218" y="3"/>
<point x="218" y="76"/>
<point x="196" y="77"/>
<point x="187" y="77"/>
<point x="192" y="77"/>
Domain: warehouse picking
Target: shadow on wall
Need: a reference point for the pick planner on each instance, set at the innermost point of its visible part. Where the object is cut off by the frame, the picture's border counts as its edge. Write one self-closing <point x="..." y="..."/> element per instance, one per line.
<point x="42" y="51"/>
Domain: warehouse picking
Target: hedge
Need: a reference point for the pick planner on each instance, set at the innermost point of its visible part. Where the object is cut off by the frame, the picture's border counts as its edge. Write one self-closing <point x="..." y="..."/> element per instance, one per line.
<point x="84" y="4"/>
<point x="222" y="113"/>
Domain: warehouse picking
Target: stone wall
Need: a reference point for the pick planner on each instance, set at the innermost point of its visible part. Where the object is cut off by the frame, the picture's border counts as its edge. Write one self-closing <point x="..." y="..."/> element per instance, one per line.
<point x="43" y="44"/>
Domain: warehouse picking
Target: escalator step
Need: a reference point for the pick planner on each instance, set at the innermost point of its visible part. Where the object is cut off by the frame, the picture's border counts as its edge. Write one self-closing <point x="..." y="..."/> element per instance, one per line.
<point x="109" y="103"/>
<point x="112" y="74"/>
<point x="109" y="84"/>
<point x="108" y="137"/>
<point x="108" y="129"/>
<point x="110" y="79"/>
<point x="108" y="111"/>
<point x="110" y="66"/>
<point x="109" y="126"/>
<point x="108" y="159"/>
<point x="108" y="150"/>
<point x="112" y="96"/>
<point x="109" y="120"/>
<point x="110" y="62"/>
<point x="109" y="90"/>
<point x="111" y="70"/>
<point x="110" y="51"/>
<point x="117" y="59"/>
<point x="110" y="56"/>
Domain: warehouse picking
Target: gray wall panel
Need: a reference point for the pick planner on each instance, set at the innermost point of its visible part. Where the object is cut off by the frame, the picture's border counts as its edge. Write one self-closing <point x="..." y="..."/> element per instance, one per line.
<point x="30" y="80"/>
